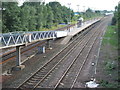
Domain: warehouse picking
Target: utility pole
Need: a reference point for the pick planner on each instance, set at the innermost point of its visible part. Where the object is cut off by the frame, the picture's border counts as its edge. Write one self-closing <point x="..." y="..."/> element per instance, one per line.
<point x="78" y="7"/>
<point x="42" y="1"/>
<point x="70" y="13"/>
<point x="69" y="4"/>
<point x="84" y="8"/>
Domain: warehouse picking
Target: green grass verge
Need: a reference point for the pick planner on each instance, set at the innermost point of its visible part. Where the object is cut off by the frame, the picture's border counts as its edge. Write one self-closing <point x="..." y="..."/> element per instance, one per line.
<point x="110" y="62"/>
<point x="111" y="36"/>
<point x="56" y="27"/>
<point x="72" y="22"/>
<point x="107" y="84"/>
<point x="52" y="28"/>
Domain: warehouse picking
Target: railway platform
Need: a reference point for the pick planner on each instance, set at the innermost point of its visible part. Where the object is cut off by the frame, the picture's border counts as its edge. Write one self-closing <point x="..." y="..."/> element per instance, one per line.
<point x="58" y="65"/>
<point x="68" y="34"/>
<point x="75" y="30"/>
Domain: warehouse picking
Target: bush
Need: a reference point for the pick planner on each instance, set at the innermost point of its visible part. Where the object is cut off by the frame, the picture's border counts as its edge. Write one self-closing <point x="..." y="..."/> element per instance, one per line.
<point x="114" y="21"/>
<point x="107" y="84"/>
<point x="110" y="65"/>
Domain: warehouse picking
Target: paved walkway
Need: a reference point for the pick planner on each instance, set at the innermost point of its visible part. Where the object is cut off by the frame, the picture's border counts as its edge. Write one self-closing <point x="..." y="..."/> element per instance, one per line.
<point x="74" y="30"/>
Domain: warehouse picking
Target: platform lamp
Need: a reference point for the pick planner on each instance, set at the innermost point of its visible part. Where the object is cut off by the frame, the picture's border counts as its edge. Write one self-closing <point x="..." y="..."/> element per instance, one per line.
<point x="78" y="7"/>
<point x="70" y="13"/>
<point x="84" y="8"/>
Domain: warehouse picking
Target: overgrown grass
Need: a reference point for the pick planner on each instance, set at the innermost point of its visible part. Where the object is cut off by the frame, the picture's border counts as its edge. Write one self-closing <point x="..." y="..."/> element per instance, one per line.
<point x="89" y="18"/>
<point x="52" y="28"/>
<point x="72" y="22"/>
<point x="110" y="62"/>
<point x="56" y="27"/>
<point x="111" y="36"/>
<point x="107" y="84"/>
<point x="110" y="65"/>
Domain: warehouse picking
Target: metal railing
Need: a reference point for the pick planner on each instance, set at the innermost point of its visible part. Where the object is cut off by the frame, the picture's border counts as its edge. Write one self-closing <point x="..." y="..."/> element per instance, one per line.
<point x="21" y="38"/>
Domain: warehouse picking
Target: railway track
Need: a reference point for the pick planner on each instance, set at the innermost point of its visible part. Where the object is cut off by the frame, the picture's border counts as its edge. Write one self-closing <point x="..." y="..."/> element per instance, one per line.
<point x="12" y="54"/>
<point x="47" y="69"/>
<point x="7" y="56"/>
<point x="65" y="81"/>
<point x="88" y="71"/>
<point x="67" y="64"/>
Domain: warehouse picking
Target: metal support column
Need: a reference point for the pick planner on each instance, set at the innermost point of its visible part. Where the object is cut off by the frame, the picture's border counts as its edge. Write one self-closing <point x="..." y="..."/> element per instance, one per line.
<point x="18" y="56"/>
<point x="18" y="60"/>
<point x="48" y="44"/>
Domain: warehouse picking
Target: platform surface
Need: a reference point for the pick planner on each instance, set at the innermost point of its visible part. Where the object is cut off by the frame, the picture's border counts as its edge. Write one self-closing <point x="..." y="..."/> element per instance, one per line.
<point x="74" y="30"/>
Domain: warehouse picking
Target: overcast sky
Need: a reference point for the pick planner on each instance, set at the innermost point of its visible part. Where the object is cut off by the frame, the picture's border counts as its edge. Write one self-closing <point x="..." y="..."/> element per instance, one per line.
<point x="84" y="4"/>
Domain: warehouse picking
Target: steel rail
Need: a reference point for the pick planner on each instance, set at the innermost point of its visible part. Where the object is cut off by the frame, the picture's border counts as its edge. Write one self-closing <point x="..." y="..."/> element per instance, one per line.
<point x="12" y="57"/>
<point x="60" y="80"/>
<point x="46" y="63"/>
<point x="63" y="28"/>
<point x="69" y="53"/>
<point x="69" y="26"/>
<point x="59" y="62"/>
<point x="85" y="60"/>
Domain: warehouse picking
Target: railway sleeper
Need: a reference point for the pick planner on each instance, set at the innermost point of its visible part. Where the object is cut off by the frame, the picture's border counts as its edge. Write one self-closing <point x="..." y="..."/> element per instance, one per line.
<point x="29" y="86"/>
<point x="43" y="71"/>
<point x="26" y="86"/>
<point x="38" y="78"/>
<point x="29" y="83"/>
<point x="40" y="74"/>
<point x="35" y="79"/>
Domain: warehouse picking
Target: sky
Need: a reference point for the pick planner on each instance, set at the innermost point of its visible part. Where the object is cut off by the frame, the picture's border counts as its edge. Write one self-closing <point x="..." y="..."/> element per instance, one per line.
<point x="82" y="5"/>
<point x="93" y="4"/>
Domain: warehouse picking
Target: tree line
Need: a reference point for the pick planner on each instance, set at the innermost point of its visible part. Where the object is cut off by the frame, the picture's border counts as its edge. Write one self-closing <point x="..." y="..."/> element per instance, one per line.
<point x="116" y="22"/>
<point x="116" y="17"/>
<point x="33" y="16"/>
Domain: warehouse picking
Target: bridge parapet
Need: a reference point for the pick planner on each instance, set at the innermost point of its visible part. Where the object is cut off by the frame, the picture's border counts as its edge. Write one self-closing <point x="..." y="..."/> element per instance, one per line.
<point x="16" y="39"/>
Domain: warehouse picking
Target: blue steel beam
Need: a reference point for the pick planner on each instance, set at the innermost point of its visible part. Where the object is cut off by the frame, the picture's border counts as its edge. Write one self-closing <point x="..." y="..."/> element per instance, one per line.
<point x="16" y="39"/>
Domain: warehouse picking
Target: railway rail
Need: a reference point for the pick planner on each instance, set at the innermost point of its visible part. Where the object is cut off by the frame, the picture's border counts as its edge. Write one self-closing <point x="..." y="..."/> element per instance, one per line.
<point x="68" y="62"/>
<point x="48" y="68"/>
<point x="65" y="79"/>
<point x="12" y="54"/>
<point x="7" y="56"/>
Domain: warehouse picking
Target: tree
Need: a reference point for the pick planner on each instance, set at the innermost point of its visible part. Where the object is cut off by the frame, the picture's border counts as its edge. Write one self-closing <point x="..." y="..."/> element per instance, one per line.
<point x="25" y="12"/>
<point x="32" y="19"/>
<point x="11" y="17"/>
<point x="56" y="8"/>
<point x="61" y="14"/>
<point x="45" y="14"/>
<point x="89" y="13"/>
<point x="50" y="17"/>
<point x="118" y="19"/>
<point x="34" y="16"/>
<point x="39" y="16"/>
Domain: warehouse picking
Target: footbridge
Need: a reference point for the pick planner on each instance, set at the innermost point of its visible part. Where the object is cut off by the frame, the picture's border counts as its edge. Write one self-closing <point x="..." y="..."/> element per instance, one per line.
<point x="18" y="39"/>
<point x="23" y="38"/>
